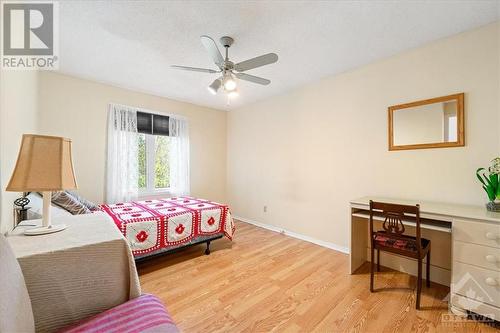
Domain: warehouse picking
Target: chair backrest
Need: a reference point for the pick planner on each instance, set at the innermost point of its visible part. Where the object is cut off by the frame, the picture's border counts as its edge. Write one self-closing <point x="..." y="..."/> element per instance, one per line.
<point x="16" y="314"/>
<point x="393" y="215"/>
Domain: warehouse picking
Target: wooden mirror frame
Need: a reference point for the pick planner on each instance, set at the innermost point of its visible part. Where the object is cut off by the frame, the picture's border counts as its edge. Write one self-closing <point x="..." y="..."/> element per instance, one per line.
<point x="459" y="98"/>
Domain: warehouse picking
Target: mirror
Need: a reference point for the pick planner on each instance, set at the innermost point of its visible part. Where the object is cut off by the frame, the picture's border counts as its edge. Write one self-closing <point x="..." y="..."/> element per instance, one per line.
<point x="431" y="123"/>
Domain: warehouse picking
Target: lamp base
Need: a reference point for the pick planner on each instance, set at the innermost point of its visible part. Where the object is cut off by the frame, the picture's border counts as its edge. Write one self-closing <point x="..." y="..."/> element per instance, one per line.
<point x="45" y="230"/>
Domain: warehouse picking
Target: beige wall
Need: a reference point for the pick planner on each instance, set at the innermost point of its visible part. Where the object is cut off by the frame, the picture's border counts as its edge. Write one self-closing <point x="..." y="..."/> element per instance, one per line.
<point x="306" y="153"/>
<point x="18" y="115"/>
<point x="77" y="108"/>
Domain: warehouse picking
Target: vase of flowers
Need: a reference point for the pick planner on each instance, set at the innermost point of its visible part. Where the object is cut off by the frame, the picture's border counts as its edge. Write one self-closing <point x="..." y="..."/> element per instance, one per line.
<point x="490" y="178"/>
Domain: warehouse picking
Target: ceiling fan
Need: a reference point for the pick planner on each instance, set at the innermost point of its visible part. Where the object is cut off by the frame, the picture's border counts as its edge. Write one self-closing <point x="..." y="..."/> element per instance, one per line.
<point x="230" y="70"/>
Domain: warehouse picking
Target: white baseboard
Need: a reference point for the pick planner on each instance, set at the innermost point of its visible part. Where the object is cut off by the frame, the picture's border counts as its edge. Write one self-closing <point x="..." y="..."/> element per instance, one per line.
<point x="319" y="242"/>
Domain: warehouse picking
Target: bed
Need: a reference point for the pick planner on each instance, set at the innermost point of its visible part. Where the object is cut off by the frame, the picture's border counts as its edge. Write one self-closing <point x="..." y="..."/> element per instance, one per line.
<point x="157" y="226"/>
<point x="154" y="227"/>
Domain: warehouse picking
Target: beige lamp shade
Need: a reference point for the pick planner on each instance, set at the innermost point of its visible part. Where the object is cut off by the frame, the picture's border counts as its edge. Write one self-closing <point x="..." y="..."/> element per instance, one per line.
<point x="44" y="163"/>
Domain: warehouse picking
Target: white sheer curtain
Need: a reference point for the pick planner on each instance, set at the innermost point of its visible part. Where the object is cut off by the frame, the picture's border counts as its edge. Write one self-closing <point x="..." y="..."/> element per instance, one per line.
<point x="179" y="156"/>
<point x="122" y="159"/>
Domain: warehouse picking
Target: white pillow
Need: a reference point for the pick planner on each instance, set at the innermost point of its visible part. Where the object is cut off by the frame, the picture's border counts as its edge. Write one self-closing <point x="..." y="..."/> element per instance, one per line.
<point x="36" y="210"/>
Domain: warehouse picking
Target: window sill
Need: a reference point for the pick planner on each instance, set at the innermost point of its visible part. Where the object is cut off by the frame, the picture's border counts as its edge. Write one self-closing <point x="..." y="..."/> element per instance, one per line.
<point x="154" y="193"/>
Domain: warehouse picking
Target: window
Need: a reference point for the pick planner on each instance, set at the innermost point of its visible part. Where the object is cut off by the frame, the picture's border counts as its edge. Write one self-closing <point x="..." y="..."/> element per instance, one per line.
<point x="147" y="155"/>
<point x="153" y="152"/>
<point x="450" y="120"/>
<point x="450" y="128"/>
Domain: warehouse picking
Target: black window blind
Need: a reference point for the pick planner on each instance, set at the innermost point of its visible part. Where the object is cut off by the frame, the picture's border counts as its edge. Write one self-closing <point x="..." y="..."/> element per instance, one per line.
<point x="155" y="124"/>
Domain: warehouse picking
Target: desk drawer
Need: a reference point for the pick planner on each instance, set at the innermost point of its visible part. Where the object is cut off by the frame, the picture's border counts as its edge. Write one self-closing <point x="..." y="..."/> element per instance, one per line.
<point x="477" y="283"/>
<point x="477" y="232"/>
<point x="465" y="303"/>
<point x="479" y="255"/>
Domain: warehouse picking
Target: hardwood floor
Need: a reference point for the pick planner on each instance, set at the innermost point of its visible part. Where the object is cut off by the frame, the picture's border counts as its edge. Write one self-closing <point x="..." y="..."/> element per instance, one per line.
<point x="264" y="281"/>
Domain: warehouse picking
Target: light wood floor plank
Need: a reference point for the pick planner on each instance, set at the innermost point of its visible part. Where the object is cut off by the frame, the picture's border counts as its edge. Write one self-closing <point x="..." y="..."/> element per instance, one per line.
<point x="267" y="282"/>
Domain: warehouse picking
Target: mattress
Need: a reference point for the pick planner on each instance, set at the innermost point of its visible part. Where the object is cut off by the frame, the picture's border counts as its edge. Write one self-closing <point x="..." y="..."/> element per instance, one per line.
<point x="154" y="226"/>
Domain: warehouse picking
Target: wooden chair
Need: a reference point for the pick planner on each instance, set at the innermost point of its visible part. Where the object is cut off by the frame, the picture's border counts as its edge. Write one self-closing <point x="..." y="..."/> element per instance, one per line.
<point x="392" y="239"/>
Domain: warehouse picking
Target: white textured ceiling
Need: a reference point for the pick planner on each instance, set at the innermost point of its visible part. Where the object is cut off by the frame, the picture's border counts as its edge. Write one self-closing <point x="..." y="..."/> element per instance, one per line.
<point x="132" y="44"/>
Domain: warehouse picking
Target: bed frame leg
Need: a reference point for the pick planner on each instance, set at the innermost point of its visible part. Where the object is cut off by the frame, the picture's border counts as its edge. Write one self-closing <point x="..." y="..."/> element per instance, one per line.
<point x="207" y="251"/>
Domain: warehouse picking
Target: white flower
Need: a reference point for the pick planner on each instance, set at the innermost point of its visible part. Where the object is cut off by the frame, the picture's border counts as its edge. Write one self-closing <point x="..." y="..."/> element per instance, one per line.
<point x="495" y="168"/>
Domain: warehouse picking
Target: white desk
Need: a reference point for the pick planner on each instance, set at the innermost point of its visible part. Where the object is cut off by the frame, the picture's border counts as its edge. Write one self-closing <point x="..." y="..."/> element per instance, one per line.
<point x="465" y="250"/>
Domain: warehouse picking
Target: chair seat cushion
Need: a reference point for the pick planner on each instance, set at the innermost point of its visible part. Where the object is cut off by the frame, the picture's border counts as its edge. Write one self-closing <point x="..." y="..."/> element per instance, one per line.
<point x="145" y="313"/>
<point x="407" y="243"/>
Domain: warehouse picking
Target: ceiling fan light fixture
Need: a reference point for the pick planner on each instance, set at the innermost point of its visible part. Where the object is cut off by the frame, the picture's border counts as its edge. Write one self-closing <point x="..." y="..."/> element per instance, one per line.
<point x="229" y="70"/>
<point x="214" y="86"/>
<point x="229" y="83"/>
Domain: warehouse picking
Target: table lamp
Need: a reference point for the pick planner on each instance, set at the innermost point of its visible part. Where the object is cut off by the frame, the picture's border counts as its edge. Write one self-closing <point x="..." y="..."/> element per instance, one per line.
<point x="44" y="164"/>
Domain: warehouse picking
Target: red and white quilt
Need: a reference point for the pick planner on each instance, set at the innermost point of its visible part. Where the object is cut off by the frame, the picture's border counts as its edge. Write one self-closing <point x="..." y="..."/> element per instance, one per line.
<point x="152" y="225"/>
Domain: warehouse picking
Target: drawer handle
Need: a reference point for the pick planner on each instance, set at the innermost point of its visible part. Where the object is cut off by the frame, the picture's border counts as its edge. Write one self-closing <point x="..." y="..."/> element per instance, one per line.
<point x="491" y="258"/>
<point x="491" y="281"/>
<point x="491" y="236"/>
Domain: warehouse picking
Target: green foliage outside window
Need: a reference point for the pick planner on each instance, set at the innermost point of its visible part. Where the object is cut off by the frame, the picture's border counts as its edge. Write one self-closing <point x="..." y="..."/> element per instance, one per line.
<point x="160" y="160"/>
<point x="141" y="141"/>
<point x="162" y="165"/>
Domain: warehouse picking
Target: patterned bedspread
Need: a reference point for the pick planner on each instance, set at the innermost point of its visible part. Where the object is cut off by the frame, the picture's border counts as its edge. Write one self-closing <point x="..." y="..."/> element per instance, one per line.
<point x="151" y="226"/>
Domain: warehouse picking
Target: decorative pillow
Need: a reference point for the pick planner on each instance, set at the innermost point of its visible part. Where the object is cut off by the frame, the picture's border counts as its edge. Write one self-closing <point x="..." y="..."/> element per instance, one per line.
<point x="87" y="203"/>
<point x="68" y="202"/>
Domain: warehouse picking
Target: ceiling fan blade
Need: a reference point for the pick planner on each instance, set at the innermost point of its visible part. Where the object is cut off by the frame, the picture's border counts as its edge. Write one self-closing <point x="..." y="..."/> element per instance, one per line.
<point x="195" y="69"/>
<point x="262" y="60"/>
<point x="212" y="49"/>
<point x="252" y="78"/>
